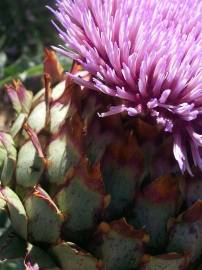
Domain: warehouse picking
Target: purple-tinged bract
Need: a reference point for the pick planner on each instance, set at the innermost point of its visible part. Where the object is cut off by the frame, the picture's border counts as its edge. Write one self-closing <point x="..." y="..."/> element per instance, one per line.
<point x="149" y="54"/>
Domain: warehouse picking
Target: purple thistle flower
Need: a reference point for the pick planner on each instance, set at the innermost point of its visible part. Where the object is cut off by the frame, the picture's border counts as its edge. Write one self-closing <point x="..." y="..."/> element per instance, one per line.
<point x="146" y="52"/>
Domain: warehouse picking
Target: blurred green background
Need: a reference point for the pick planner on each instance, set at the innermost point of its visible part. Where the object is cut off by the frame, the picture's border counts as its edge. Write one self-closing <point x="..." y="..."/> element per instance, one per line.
<point x="25" y="30"/>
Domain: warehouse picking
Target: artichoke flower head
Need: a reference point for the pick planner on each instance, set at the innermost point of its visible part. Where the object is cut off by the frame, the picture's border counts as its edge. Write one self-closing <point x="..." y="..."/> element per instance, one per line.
<point x="148" y="53"/>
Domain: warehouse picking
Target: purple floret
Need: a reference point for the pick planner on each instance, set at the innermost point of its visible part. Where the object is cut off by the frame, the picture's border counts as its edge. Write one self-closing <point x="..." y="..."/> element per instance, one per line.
<point x="149" y="54"/>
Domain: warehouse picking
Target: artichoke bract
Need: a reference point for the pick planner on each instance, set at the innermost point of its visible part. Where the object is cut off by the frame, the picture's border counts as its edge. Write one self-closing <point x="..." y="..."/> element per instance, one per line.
<point x="80" y="191"/>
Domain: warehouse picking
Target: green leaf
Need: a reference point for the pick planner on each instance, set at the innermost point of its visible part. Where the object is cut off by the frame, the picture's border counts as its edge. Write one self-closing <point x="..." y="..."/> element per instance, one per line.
<point x="11" y="246"/>
<point x="29" y="166"/>
<point x="44" y="217"/>
<point x="16" y="211"/>
<point x="16" y="264"/>
<point x="71" y="257"/>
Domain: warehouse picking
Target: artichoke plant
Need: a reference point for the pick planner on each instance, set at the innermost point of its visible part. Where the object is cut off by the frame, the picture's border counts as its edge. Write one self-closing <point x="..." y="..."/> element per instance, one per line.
<point x="101" y="169"/>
